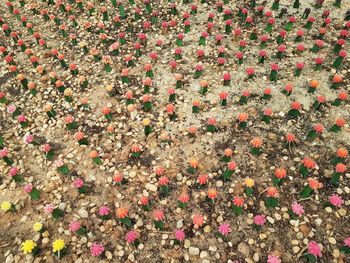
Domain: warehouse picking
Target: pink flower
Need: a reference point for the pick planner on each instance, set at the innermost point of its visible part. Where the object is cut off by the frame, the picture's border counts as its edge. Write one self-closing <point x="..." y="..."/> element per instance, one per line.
<point x="224" y="229"/>
<point x="59" y="163"/>
<point x="96" y="249"/>
<point x="78" y="183"/>
<point x="13" y="171"/>
<point x="104" y="210"/>
<point x="11" y="108"/>
<point x="259" y="220"/>
<point x="158" y="215"/>
<point x="28" y="188"/>
<point x="297" y="209"/>
<point x="48" y="208"/>
<point x="314" y="249"/>
<point x="28" y="138"/>
<point x="21" y="118"/>
<point x="347" y="242"/>
<point x="336" y="200"/>
<point x="131" y="236"/>
<point x="74" y="226"/>
<point x="179" y="234"/>
<point x="274" y="67"/>
<point x="273" y="259"/>
<point x="4" y="152"/>
<point x="46" y="148"/>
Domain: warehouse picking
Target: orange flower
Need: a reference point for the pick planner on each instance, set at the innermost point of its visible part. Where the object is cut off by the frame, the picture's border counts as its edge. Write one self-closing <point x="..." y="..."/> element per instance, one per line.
<point x="314" y="184"/>
<point x="337" y="78"/>
<point x="184" y="198"/>
<point x="93" y="154"/>
<point x="202" y="179"/>
<point x="280" y="173"/>
<point x="256" y="142"/>
<point x="340" y="168"/>
<point x="340" y="122"/>
<point x="159" y="170"/>
<point x="314" y="83"/>
<point x="178" y="77"/>
<point x="122" y="212"/>
<point x="135" y="148"/>
<point x="228" y="152"/>
<point x="242" y="117"/>
<point x="203" y="83"/>
<point x="110" y="129"/>
<point x="212" y="194"/>
<point x="342" y="152"/>
<point x="272" y="192"/>
<point x="196" y="103"/>
<point x="193" y="163"/>
<point x="69" y="119"/>
<point x="309" y="163"/>
<point x="106" y="110"/>
<point x="238" y="201"/>
<point x="79" y="135"/>
<point x="198" y="220"/>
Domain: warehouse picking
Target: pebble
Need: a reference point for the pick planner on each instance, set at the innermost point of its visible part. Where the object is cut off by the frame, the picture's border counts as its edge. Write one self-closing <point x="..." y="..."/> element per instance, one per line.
<point x="194" y="251"/>
<point x="187" y="243"/>
<point x="243" y="249"/>
<point x="83" y="213"/>
<point x="151" y="187"/>
<point x="332" y="240"/>
<point x="203" y="254"/>
<point x="296" y="249"/>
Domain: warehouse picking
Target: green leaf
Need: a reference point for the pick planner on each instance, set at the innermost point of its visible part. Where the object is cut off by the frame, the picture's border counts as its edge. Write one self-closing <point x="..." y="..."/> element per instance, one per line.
<point x="237" y="210"/>
<point x="159" y="224"/>
<point x="227" y="174"/>
<point x="126" y="221"/>
<point x="335" y="178"/>
<point x="181" y="205"/>
<point x="83" y="141"/>
<point x="50" y="154"/>
<point x="81" y="231"/>
<point x="306" y="192"/>
<point x="304" y="171"/>
<point x="63" y="170"/>
<point x="248" y="191"/>
<point x="335" y="128"/>
<point x="97" y="160"/>
<point x="345" y="250"/>
<point x="35" y="194"/>
<point x="312" y="134"/>
<point x="271" y="202"/>
<point x="310" y="258"/>
<point x="256" y="151"/>
<point x="57" y="213"/>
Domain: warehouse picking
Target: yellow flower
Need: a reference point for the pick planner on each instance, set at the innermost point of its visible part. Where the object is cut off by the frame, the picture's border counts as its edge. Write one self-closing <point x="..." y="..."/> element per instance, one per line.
<point x="249" y="182"/>
<point x="6" y="206"/>
<point x="37" y="226"/>
<point x="109" y="88"/>
<point x="28" y="246"/>
<point x="58" y="245"/>
<point x="68" y="92"/>
<point x="146" y="122"/>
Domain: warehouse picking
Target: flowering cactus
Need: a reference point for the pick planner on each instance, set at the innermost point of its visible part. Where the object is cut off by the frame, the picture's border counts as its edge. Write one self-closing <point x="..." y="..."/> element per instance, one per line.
<point x="211" y="195"/>
<point x="158" y="219"/>
<point x="256" y="144"/>
<point x="274" y="72"/>
<point x="183" y="200"/>
<point x="294" y="111"/>
<point x="316" y="131"/>
<point x="258" y="222"/>
<point x="271" y="200"/>
<point x="341" y="155"/>
<point x="313" y="252"/>
<point x="135" y="151"/>
<point x="339" y="123"/>
<point x="61" y="167"/>
<point x="32" y="191"/>
<point x="340" y="170"/>
<point x="346" y="247"/>
<point x="237" y="205"/>
<point x="341" y="55"/>
<point x="231" y="167"/>
<point x="313" y="185"/>
<point x="122" y="215"/>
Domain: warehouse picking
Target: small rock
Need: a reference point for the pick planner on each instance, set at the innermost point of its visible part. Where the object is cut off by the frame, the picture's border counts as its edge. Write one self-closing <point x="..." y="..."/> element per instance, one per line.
<point x="194" y="251"/>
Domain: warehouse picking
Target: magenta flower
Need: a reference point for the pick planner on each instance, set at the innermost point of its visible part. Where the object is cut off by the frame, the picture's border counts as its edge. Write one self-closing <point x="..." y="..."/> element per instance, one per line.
<point x="336" y="200"/>
<point x="259" y="220"/>
<point x="179" y="234"/>
<point x="314" y="249"/>
<point x="224" y="229"/>
<point x="273" y="259"/>
<point x="104" y="210"/>
<point x="131" y="236"/>
<point x="297" y="209"/>
<point x="74" y="226"/>
<point x="96" y="249"/>
<point x="28" y="188"/>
